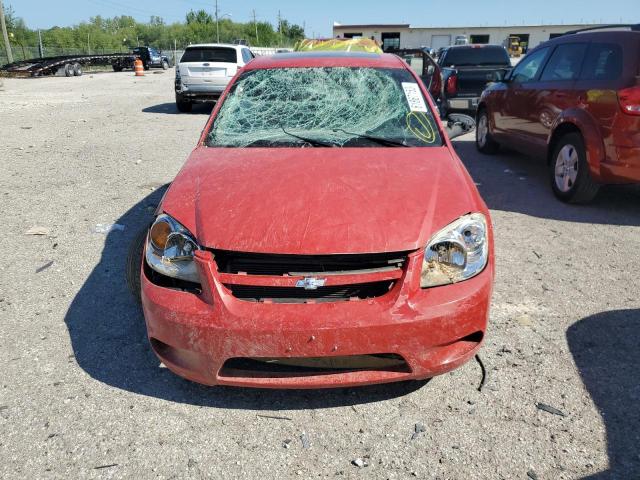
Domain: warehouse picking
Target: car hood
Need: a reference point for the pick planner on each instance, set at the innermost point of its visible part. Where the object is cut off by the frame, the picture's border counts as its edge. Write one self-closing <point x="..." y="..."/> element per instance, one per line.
<point x="319" y="200"/>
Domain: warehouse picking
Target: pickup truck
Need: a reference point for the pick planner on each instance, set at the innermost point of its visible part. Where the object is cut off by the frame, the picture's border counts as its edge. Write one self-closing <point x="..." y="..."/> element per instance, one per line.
<point x="150" y="58"/>
<point x="466" y="71"/>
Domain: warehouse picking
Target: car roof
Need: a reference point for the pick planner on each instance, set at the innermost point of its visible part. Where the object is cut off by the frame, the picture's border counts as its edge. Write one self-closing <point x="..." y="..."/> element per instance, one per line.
<point x="588" y="36"/>
<point x="326" y="59"/>
<point x="474" y="45"/>
<point x="225" y="45"/>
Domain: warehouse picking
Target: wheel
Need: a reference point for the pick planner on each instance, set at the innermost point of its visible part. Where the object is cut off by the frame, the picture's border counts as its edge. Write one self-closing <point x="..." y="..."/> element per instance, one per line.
<point x="117" y="68"/>
<point x="182" y="105"/>
<point x="77" y="69"/>
<point x="569" y="171"/>
<point x="165" y="65"/>
<point x="134" y="263"/>
<point x="68" y="70"/>
<point x="484" y="142"/>
<point x="146" y="66"/>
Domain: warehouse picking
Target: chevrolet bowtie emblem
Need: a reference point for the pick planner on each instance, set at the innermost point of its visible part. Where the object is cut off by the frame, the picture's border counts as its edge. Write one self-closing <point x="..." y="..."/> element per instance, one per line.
<point x="311" y="283"/>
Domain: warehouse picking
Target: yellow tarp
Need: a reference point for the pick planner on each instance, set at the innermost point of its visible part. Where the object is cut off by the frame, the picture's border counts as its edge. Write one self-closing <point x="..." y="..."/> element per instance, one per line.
<point x="338" y="45"/>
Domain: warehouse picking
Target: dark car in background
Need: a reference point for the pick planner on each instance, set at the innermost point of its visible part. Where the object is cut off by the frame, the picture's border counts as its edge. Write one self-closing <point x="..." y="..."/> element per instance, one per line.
<point x="151" y="58"/>
<point x="575" y="101"/>
<point x="466" y="71"/>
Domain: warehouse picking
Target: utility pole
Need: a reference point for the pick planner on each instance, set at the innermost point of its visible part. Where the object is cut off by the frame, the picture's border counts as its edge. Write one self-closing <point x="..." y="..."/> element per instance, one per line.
<point x="217" y="27"/>
<point x="88" y="46"/>
<point x="3" y="25"/>
<point x="40" y="47"/>
<point x="280" y="27"/>
<point x="255" y="24"/>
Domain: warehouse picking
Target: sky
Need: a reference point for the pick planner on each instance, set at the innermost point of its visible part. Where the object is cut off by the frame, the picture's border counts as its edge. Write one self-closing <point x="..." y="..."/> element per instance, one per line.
<point x="318" y="15"/>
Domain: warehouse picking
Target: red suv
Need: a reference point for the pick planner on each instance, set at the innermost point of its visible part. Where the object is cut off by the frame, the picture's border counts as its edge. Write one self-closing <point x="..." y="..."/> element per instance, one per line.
<point x="575" y="101"/>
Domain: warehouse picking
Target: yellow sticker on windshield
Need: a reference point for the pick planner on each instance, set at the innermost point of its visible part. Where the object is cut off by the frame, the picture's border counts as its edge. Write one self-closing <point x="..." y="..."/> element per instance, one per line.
<point x="421" y="126"/>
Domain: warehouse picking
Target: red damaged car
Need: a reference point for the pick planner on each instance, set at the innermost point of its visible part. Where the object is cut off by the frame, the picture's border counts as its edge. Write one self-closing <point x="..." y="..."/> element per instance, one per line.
<point x="322" y="233"/>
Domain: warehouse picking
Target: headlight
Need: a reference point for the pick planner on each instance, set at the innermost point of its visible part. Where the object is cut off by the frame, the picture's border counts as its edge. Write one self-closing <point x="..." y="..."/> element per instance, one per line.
<point x="457" y="252"/>
<point x="170" y="250"/>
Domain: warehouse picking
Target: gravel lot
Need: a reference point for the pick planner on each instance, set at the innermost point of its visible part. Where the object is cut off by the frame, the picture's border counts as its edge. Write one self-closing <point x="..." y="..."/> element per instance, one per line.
<point x="82" y="395"/>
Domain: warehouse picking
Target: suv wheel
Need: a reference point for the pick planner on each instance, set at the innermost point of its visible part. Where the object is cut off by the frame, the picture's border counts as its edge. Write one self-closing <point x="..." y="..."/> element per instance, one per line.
<point x="484" y="142"/>
<point x="569" y="171"/>
<point x="165" y="65"/>
<point x="183" y="105"/>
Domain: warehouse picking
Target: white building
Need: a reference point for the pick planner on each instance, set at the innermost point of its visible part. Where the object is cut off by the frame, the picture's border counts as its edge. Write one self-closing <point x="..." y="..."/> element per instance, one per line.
<point x="406" y="36"/>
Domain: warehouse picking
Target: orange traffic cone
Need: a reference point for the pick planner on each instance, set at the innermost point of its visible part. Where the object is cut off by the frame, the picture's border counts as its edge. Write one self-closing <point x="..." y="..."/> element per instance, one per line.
<point x="138" y="67"/>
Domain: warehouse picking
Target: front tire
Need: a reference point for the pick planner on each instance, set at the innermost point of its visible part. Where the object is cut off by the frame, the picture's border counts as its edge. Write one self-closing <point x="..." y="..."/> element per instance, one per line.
<point x="165" y="65"/>
<point x="484" y="141"/>
<point x="571" y="180"/>
<point x="134" y="264"/>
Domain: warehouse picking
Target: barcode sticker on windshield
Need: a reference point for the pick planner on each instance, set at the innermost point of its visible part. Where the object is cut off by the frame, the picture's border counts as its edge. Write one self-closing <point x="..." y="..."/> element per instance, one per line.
<point x="414" y="97"/>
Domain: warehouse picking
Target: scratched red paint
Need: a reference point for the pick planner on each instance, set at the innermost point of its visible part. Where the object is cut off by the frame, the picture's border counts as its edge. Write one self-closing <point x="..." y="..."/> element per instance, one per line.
<point x="319" y="201"/>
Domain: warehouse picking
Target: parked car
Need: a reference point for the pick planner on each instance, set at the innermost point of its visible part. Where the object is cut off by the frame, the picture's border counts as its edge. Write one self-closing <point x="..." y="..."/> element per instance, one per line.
<point x="574" y="101"/>
<point x="151" y="58"/>
<point x="466" y="71"/>
<point x="204" y="71"/>
<point x="322" y="233"/>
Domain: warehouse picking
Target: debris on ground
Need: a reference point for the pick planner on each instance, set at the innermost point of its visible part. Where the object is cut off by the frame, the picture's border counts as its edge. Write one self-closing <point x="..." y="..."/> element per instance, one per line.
<point x="532" y="475"/>
<point x="304" y="438"/>
<point x="37" y="231"/>
<point x="418" y="429"/>
<point x="44" y="267"/>
<point x="108" y="228"/>
<point x="99" y="467"/>
<point x="483" y="380"/>
<point x="275" y="417"/>
<point x="287" y="443"/>
<point x="359" y="462"/>
<point x="524" y="320"/>
<point x="549" y="409"/>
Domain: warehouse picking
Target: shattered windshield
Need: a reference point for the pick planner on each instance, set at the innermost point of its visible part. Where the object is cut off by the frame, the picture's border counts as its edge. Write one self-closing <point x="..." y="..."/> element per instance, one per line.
<point x="325" y="107"/>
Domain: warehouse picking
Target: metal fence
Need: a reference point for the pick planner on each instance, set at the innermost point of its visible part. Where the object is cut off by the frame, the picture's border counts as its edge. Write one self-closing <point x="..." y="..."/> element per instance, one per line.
<point x="23" y="53"/>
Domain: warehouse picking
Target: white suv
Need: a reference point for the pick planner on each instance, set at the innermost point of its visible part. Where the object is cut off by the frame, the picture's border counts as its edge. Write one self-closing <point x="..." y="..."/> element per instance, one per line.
<point x="205" y="70"/>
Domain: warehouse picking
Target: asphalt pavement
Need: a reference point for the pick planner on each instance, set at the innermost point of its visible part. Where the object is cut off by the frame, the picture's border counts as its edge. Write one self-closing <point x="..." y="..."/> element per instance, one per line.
<point x="83" y="164"/>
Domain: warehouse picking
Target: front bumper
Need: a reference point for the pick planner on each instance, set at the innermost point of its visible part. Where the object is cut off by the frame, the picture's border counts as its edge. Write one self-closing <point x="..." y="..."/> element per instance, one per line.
<point x="205" y="92"/>
<point x="433" y="330"/>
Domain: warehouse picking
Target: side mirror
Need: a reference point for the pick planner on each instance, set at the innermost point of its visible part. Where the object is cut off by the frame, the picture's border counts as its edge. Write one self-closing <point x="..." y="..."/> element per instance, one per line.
<point x="457" y="124"/>
<point x="430" y="70"/>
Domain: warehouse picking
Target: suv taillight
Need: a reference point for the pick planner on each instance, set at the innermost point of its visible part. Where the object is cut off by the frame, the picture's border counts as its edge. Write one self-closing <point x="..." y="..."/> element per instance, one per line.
<point x="452" y="85"/>
<point x="629" y="99"/>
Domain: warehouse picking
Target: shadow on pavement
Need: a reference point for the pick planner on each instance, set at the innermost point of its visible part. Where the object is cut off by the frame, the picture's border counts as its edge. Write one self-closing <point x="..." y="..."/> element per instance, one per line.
<point x="605" y="349"/>
<point x="109" y="340"/>
<point x="171" y="109"/>
<point x="513" y="182"/>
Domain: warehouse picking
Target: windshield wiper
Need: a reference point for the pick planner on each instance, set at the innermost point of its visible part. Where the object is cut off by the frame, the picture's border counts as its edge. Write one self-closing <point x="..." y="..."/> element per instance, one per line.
<point x="310" y="141"/>
<point x="378" y="140"/>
